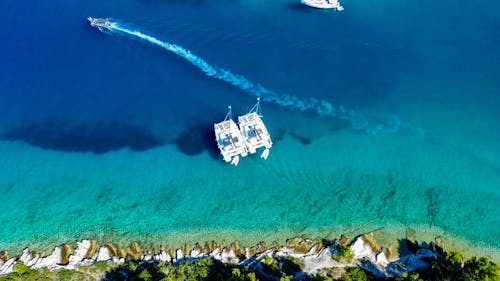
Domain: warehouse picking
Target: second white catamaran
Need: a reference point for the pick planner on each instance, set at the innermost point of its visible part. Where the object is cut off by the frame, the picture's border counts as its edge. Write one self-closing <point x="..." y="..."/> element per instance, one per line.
<point x="252" y="135"/>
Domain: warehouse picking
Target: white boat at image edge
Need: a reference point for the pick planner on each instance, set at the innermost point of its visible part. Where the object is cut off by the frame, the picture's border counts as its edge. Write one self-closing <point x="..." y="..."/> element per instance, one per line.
<point x="323" y="4"/>
<point x="251" y="135"/>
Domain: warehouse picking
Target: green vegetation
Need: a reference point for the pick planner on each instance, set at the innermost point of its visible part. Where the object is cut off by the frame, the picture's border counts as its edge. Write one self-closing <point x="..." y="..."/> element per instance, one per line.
<point x="343" y="253"/>
<point x="451" y="266"/>
<point x="357" y="274"/>
<point x="291" y="265"/>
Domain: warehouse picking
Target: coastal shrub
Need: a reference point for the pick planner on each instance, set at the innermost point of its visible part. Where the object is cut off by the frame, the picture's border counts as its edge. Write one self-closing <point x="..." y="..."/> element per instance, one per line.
<point x="321" y="278"/>
<point x="70" y="275"/>
<point x="270" y="266"/>
<point x="356" y="274"/>
<point x="343" y="253"/>
<point x="145" y="275"/>
<point x="291" y="265"/>
<point x="21" y="272"/>
<point x="409" y="276"/>
<point x="481" y="269"/>
<point x="450" y="266"/>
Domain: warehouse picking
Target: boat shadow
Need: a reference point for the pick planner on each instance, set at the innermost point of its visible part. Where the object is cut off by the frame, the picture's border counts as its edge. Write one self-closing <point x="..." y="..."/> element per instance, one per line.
<point x="194" y="140"/>
<point x="83" y="137"/>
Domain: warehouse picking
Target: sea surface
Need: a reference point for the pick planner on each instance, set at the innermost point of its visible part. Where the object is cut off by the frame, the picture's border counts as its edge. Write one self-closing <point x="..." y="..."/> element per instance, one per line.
<point x="384" y="116"/>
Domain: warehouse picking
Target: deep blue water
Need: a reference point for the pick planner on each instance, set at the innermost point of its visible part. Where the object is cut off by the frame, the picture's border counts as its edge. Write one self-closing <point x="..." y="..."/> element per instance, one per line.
<point x="433" y="66"/>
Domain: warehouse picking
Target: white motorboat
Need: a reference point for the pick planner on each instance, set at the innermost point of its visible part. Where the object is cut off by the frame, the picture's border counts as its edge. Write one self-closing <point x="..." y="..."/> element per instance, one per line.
<point x="323" y="4"/>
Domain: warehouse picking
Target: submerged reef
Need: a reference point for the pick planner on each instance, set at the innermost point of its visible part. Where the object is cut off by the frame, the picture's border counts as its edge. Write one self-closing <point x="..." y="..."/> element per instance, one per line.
<point x="301" y="258"/>
<point x="98" y="138"/>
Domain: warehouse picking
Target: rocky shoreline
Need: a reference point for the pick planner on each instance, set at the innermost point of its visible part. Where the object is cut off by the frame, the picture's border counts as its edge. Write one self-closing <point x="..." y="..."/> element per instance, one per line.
<point x="315" y="256"/>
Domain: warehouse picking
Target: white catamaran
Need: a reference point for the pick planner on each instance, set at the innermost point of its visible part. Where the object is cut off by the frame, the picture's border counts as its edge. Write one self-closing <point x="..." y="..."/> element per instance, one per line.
<point x="251" y="135"/>
<point x="254" y="131"/>
<point x="229" y="140"/>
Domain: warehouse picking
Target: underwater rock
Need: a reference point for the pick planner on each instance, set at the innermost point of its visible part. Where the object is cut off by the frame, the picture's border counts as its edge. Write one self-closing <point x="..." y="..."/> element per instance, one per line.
<point x="261" y="247"/>
<point x="4" y="255"/>
<point x="65" y="253"/>
<point x="185" y="250"/>
<point x="92" y="249"/>
<point x="238" y="251"/>
<point x="303" y="245"/>
<point x="133" y="252"/>
<point x="113" y="249"/>
<point x="208" y="247"/>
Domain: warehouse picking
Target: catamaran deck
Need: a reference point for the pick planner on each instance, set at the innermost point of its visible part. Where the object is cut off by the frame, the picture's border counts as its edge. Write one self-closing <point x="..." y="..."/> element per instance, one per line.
<point x="254" y="132"/>
<point x="229" y="140"/>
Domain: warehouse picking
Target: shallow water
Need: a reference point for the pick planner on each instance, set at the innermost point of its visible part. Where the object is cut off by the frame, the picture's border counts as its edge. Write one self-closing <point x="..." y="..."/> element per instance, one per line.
<point x="107" y="136"/>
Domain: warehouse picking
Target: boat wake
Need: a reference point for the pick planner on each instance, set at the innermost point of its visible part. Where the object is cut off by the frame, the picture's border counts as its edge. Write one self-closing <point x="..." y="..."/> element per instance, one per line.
<point x="321" y="107"/>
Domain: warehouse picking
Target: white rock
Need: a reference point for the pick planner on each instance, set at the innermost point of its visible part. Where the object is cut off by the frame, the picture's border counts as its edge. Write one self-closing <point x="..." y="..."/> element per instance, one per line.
<point x="314" y="263"/>
<point x="33" y="260"/>
<point x="227" y="256"/>
<point x="80" y="252"/>
<point x="162" y="256"/>
<point x="147" y="257"/>
<point x="103" y="254"/>
<point x="94" y="257"/>
<point x="51" y="261"/>
<point x="179" y="254"/>
<point x="195" y="253"/>
<point x="167" y="257"/>
<point x="118" y="260"/>
<point x="381" y="259"/>
<point x="312" y="250"/>
<point x="7" y="266"/>
<point x="216" y="254"/>
<point x="25" y="256"/>
<point x="360" y="249"/>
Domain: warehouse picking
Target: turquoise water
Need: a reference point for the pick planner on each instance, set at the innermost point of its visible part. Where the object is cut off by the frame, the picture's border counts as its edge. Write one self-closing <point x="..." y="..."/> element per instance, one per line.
<point x="108" y="136"/>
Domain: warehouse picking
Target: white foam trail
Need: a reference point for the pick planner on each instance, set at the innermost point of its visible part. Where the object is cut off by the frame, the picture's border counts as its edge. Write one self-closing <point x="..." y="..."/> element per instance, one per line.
<point x="321" y="107"/>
